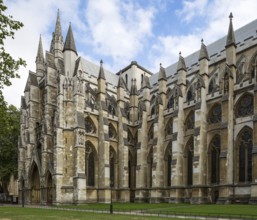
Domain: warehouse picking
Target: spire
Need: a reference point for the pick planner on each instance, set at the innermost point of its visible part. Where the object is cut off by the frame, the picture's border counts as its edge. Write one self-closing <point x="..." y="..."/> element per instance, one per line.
<point x="58" y="29"/>
<point x="146" y="83"/>
<point x="40" y="54"/>
<point x="231" y="34"/>
<point x="121" y="83"/>
<point x="203" y="52"/>
<point x="162" y="73"/>
<point x="69" y="42"/>
<point x="181" y="63"/>
<point x="101" y="71"/>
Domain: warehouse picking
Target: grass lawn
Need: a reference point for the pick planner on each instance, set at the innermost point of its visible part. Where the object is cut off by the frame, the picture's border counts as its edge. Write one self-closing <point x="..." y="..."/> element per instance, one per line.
<point x="214" y="210"/>
<point x="18" y="213"/>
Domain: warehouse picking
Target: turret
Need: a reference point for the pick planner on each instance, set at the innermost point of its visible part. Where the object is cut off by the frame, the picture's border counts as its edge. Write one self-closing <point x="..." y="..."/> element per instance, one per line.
<point x="231" y="44"/>
<point x="162" y="79"/>
<point x="70" y="53"/>
<point x="120" y="89"/>
<point x="40" y="60"/>
<point x="204" y="62"/>
<point x="181" y="70"/>
<point x="101" y="82"/>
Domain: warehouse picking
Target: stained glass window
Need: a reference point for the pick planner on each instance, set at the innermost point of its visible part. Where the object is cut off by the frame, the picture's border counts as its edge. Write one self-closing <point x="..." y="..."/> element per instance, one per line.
<point x="215" y="114"/>
<point x="245" y="106"/>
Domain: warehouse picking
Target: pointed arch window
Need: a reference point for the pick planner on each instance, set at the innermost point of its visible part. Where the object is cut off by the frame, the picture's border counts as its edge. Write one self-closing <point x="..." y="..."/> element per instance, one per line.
<point x="89" y="125"/>
<point x="169" y="127"/>
<point x="190" y="95"/>
<point x="245" y="156"/>
<point x="90" y="164"/>
<point x="244" y="106"/>
<point x="215" y="114"/>
<point x="212" y="86"/>
<point x="111" y="110"/>
<point x="112" y="131"/>
<point x="190" y="121"/>
<point x="215" y="154"/>
<point x="170" y="103"/>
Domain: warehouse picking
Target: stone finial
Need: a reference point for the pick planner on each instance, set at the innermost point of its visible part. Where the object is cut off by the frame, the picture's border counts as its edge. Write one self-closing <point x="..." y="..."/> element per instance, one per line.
<point x="69" y="42"/>
<point x="146" y="82"/>
<point x="181" y="63"/>
<point x="162" y="73"/>
<point x="58" y="29"/>
<point x="121" y="83"/>
<point x="40" y="53"/>
<point x="101" y="74"/>
<point x="231" y="35"/>
<point x="203" y="52"/>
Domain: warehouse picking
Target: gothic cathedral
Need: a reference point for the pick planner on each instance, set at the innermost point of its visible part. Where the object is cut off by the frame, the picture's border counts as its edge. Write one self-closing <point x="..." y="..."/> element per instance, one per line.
<point x="185" y="134"/>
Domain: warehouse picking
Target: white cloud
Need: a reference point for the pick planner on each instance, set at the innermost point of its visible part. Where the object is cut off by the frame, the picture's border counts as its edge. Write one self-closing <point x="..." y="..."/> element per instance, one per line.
<point x="119" y="28"/>
<point x="192" y="9"/>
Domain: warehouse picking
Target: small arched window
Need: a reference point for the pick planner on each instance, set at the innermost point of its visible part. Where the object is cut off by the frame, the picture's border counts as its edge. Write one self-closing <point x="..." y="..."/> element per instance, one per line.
<point x="169" y="127"/>
<point x="190" y="121"/>
<point x="212" y="86"/>
<point x="215" y="114"/>
<point x="190" y="95"/>
<point x="244" y="106"/>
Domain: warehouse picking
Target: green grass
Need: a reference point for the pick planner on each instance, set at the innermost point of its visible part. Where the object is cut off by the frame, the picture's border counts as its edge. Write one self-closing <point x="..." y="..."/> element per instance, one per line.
<point x="18" y="213"/>
<point x="164" y="208"/>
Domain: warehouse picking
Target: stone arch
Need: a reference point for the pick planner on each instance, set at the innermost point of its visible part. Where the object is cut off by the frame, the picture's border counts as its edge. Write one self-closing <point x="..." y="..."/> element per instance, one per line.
<point x="243" y="155"/>
<point x="35" y="185"/>
<point x="91" y="165"/>
<point x="244" y="105"/>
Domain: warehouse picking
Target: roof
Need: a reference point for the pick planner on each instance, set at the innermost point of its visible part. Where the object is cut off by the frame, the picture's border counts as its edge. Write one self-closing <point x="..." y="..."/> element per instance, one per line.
<point x="93" y="69"/>
<point x="243" y="36"/>
<point x="69" y="42"/>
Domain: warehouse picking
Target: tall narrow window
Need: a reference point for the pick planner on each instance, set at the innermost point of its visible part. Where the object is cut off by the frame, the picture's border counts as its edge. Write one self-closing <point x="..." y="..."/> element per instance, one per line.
<point x="169" y="170"/>
<point x="215" y="154"/>
<point x="126" y="79"/>
<point x="91" y="169"/>
<point x="245" y="156"/>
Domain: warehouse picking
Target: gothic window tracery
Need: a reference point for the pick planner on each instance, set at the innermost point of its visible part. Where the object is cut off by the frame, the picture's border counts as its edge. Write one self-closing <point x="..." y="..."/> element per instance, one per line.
<point x="215" y="114"/>
<point x="245" y="156"/>
<point x="190" y="121"/>
<point x="244" y="106"/>
<point x="112" y="132"/>
<point x="89" y="126"/>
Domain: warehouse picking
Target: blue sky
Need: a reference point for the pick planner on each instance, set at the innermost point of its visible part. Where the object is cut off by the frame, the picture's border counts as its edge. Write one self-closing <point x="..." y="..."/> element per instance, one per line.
<point x="119" y="31"/>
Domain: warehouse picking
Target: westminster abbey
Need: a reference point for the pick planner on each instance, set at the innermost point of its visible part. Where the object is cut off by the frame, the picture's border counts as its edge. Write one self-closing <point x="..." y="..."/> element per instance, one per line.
<point x="185" y="134"/>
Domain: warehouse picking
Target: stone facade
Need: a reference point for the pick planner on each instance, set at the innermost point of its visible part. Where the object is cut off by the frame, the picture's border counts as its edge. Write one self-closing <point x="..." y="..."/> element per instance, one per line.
<point x="185" y="134"/>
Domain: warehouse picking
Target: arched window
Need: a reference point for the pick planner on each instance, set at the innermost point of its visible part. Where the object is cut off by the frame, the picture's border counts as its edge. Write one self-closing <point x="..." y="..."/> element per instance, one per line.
<point x="190" y="95"/>
<point x="90" y="164"/>
<point x="244" y="106"/>
<point x="111" y="110"/>
<point x="126" y="79"/>
<point x="170" y="103"/>
<point x="89" y="125"/>
<point x="214" y="156"/>
<point x="245" y="156"/>
<point x="215" y="114"/>
<point x="190" y="159"/>
<point x="169" y="127"/>
<point x="190" y="121"/>
<point x="39" y="152"/>
<point x="112" y="131"/>
<point x="112" y="166"/>
<point x="211" y="88"/>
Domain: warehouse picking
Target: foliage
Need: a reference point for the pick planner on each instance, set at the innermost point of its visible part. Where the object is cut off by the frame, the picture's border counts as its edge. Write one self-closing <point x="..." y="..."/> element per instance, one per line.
<point x="8" y="65"/>
<point x="9" y="134"/>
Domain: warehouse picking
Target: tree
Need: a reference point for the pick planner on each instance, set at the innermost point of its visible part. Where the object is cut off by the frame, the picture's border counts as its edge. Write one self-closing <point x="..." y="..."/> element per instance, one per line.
<point x="9" y="134"/>
<point x="8" y="65"/>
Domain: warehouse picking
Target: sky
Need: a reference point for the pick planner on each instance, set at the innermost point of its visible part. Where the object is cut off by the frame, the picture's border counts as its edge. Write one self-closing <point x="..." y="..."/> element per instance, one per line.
<point x="120" y="31"/>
